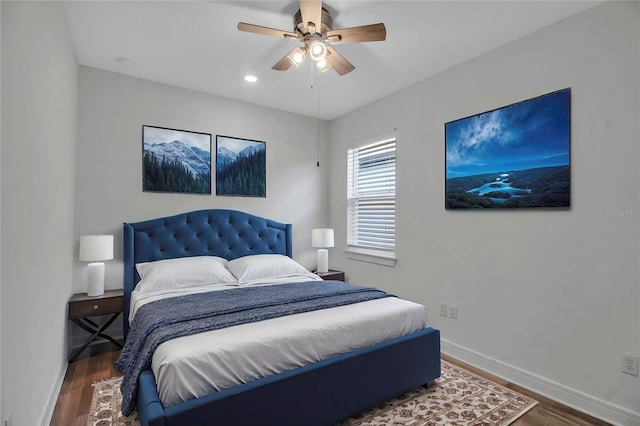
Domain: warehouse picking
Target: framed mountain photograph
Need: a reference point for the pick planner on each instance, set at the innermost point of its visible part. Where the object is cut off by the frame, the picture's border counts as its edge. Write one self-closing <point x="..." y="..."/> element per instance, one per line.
<point x="511" y="157"/>
<point x="241" y="167"/>
<point x="176" y="161"/>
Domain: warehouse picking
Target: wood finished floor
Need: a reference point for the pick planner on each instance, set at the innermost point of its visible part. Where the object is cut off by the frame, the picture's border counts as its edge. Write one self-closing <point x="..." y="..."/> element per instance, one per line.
<point x="72" y="407"/>
<point x="546" y="413"/>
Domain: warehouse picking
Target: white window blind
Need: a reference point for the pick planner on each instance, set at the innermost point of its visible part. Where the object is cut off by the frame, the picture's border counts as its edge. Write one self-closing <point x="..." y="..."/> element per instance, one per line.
<point x="371" y="197"/>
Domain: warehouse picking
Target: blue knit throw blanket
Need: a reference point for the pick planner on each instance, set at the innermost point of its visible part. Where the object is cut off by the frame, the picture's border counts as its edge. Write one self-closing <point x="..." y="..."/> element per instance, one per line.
<point x="165" y="319"/>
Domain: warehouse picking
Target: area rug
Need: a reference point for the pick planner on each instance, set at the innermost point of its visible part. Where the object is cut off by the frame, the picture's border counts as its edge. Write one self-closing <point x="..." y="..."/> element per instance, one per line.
<point x="458" y="398"/>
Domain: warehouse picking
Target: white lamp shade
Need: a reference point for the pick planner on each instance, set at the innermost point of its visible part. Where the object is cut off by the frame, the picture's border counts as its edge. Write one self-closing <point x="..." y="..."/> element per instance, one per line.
<point x="94" y="248"/>
<point x="322" y="237"/>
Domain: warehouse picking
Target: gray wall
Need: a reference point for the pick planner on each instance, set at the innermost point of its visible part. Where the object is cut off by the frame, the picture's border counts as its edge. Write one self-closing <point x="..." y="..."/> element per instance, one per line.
<point x="549" y="299"/>
<point x="39" y="95"/>
<point x="111" y="111"/>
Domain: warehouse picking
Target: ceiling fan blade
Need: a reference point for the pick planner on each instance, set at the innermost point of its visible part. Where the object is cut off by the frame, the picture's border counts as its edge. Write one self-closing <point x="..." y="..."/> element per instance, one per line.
<point x="257" y="29"/>
<point x="373" y="32"/>
<point x="283" y="64"/>
<point x="338" y="62"/>
<point x="311" y="11"/>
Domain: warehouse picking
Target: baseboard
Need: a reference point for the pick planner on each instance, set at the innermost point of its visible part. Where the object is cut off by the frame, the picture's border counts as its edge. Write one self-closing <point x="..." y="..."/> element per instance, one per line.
<point x="47" y="414"/>
<point x="80" y="336"/>
<point x="573" y="398"/>
<point x="77" y="341"/>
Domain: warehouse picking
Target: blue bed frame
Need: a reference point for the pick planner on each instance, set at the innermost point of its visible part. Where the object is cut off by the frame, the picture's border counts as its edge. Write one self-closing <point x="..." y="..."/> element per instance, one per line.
<point x="322" y="393"/>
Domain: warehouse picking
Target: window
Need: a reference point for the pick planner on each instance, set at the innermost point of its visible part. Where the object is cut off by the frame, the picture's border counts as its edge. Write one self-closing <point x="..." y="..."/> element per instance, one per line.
<point x="371" y="198"/>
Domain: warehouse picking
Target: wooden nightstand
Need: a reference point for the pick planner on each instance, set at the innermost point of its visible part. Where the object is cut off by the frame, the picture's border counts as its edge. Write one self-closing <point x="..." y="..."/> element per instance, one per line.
<point x="331" y="275"/>
<point x="81" y="307"/>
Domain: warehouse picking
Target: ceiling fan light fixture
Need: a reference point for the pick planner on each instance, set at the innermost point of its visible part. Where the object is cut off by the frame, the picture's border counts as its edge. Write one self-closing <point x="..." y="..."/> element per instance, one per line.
<point x="317" y="50"/>
<point x="323" y="65"/>
<point x="297" y="55"/>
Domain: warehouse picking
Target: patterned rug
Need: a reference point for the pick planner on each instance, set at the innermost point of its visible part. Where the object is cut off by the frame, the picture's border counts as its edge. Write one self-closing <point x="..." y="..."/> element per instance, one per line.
<point x="458" y="398"/>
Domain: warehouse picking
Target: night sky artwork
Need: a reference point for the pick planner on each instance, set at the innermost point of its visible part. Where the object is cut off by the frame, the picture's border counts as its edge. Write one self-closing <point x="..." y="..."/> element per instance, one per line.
<point x="514" y="156"/>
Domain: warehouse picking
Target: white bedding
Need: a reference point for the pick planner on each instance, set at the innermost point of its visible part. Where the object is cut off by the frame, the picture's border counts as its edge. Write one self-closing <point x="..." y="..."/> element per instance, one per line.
<point x="193" y="366"/>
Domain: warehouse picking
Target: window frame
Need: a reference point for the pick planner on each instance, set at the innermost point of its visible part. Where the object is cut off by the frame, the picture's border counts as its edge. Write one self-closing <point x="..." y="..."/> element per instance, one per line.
<point x="381" y="187"/>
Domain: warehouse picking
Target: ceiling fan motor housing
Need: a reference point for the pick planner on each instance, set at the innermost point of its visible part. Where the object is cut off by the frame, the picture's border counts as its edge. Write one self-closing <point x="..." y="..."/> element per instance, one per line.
<point x="301" y="27"/>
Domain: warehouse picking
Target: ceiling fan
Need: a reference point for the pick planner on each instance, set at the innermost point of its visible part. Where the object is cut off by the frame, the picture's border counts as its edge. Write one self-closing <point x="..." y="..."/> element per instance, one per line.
<point x="313" y="26"/>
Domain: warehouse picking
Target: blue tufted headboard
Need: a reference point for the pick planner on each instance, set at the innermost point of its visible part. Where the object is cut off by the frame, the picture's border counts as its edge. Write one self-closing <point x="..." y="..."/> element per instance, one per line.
<point x="225" y="233"/>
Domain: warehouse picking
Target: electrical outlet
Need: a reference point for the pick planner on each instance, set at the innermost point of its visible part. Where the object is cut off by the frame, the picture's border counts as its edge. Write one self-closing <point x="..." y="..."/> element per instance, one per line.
<point x="443" y="309"/>
<point x="453" y="311"/>
<point x="630" y="364"/>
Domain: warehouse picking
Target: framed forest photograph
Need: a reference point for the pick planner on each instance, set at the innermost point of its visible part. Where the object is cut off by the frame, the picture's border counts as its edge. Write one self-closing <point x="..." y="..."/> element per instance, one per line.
<point x="176" y="160"/>
<point x="241" y="167"/>
<point x="517" y="156"/>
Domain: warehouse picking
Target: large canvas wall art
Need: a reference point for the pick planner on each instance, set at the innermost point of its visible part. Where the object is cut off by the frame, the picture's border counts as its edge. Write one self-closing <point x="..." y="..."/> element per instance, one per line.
<point x="176" y="161"/>
<point x="241" y="167"/>
<point x="514" y="156"/>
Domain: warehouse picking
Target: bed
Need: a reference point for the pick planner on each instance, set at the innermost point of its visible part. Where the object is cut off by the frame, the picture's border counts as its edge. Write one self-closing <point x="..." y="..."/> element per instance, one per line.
<point x="323" y="392"/>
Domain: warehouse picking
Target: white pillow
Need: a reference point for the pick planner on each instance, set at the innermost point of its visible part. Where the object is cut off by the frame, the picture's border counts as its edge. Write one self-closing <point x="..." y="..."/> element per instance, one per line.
<point x="183" y="272"/>
<point x="259" y="267"/>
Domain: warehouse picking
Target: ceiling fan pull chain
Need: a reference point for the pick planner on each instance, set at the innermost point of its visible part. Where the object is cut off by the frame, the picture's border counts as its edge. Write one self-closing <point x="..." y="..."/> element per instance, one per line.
<point x="312" y="75"/>
<point x="317" y="119"/>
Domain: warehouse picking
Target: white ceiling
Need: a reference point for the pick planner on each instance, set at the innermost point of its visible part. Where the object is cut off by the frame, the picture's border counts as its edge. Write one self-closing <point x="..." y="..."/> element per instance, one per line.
<point x="196" y="45"/>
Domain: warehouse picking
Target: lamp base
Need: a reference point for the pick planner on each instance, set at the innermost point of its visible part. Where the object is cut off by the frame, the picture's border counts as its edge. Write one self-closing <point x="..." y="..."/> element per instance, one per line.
<point x="323" y="260"/>
<point x="95" y="284"/>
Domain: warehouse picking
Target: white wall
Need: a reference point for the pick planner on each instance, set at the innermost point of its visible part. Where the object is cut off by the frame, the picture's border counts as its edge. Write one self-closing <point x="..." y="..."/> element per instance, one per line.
<point x="545" y="298"/>
<point x="39" y="95"/>
<point x="111" y="111"/>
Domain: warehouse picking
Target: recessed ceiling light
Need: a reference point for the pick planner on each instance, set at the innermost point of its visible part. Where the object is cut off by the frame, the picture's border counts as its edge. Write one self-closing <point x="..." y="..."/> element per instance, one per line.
<point x="250" y="78"/>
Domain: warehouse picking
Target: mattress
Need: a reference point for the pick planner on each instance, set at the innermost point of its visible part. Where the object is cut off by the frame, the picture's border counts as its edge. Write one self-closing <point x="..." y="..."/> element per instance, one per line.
<point x="193" y="366"/>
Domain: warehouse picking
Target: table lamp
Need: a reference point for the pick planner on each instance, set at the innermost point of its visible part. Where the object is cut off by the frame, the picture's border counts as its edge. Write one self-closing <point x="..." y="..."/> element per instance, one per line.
<point x="95" y="249"/>
<point x="322" y="238"/>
